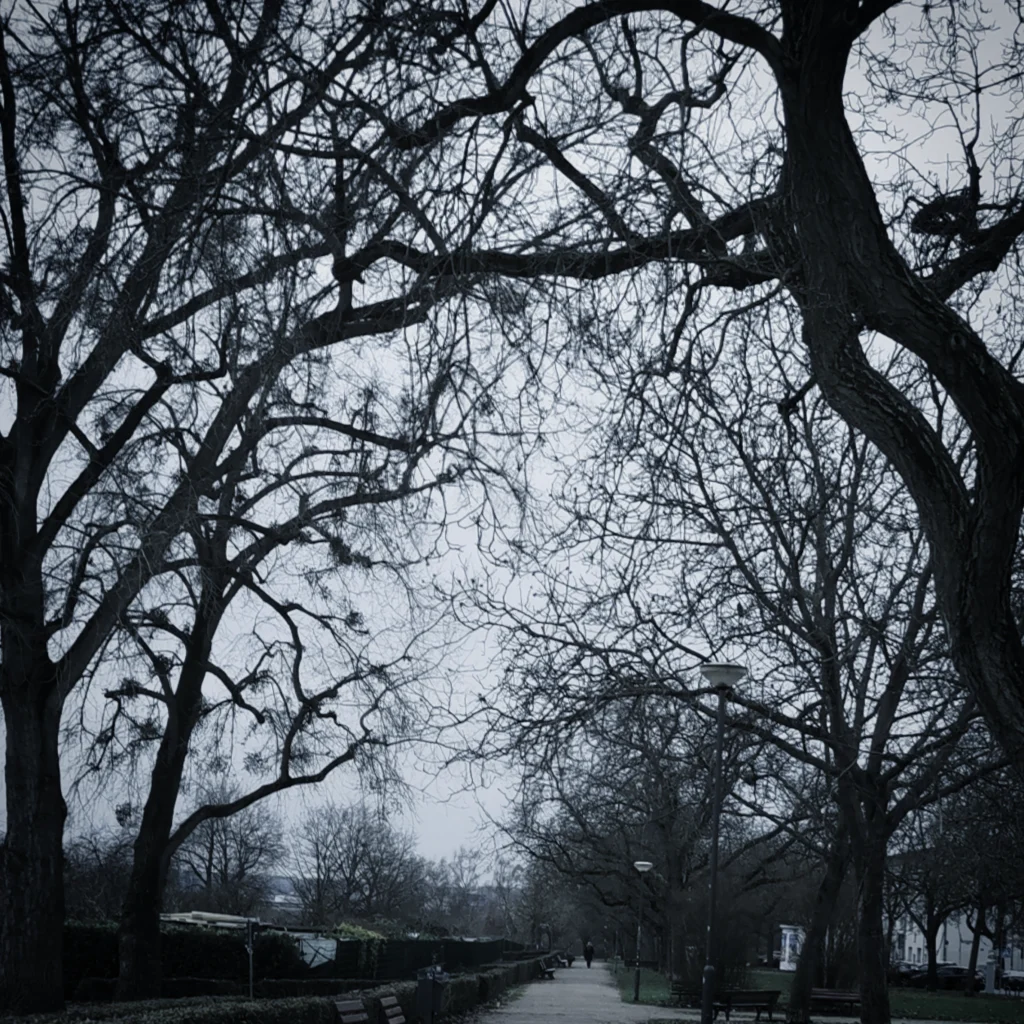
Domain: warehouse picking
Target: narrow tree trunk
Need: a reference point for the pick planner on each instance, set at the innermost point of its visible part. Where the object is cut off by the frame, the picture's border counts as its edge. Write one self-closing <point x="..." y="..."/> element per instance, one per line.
<point x="139" y="932"/>
<point x="831" y="884"/>
<point x="874" y="993"/>
<point x="931" y="933"/>
<point x="32" y="862"/>
<point x="979" y="930"/>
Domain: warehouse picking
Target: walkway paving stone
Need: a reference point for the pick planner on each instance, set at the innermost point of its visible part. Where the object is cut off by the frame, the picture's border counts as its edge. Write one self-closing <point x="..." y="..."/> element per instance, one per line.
<point x="579" y="995"/>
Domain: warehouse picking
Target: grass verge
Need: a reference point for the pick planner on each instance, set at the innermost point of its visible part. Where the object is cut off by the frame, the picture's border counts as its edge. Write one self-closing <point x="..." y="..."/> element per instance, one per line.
<point x="905" y="1003"/>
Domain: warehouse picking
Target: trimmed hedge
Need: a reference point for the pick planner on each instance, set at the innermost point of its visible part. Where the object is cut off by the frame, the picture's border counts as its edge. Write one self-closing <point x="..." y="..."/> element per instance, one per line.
<point x="90" y="951"/>
<point x="312" y="1010"/>
<point x="199" y="1010"/>
<point x="464" y="992"/>
<point x="101" y="990"/>
<point x="182" y="988"/>
<point x="278" y="988"/>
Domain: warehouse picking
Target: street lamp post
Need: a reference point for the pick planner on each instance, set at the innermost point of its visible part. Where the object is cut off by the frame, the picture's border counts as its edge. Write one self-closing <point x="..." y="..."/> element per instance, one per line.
<point x="643" y="866"/>
<point x="722" y="678"/>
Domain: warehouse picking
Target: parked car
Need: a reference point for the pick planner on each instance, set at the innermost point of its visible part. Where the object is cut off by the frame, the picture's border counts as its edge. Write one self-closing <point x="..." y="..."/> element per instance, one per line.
<point x="949" y="976"/>
<point x="902" y="971"/>
<point x="1013" y="981"/>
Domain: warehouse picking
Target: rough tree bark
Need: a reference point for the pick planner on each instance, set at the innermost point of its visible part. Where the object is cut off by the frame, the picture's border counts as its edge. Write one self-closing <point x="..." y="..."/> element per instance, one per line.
<point x="32" y="857"/>
<point x="851" y="278"/>
<point x="139" y="972"/>
<point x="931" y="935"/>
<point x="836" y="865"/>
<point x="980" y="929"/>
<point x="869" y="866"/>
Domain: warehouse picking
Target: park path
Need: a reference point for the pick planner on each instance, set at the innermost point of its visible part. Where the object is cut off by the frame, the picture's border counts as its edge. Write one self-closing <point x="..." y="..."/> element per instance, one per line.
<point x="579" y="995"/>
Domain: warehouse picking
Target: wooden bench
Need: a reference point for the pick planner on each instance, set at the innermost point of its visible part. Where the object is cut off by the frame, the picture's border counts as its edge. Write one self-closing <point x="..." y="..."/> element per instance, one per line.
<point x="754" y="999"/>
<point x="833" y="998"/>
<point x="684" y="995"/>
<point x="390" y="1011"/>
<point x="352" y="1012"/>
<point x="547" y="967"/>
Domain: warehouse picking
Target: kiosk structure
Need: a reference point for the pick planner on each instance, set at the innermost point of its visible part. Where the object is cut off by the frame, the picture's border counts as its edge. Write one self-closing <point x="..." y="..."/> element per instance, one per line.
<point x="792" y="944"/>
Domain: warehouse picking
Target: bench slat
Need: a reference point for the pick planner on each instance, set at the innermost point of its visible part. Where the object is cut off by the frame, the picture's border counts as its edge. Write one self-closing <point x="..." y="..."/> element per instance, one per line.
<point x="391" y="1011"/>
<point x="352" y="1011"/>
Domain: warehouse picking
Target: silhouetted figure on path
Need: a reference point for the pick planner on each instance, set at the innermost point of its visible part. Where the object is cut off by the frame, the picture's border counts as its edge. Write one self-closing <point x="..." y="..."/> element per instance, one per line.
<point x="588" y="952"/>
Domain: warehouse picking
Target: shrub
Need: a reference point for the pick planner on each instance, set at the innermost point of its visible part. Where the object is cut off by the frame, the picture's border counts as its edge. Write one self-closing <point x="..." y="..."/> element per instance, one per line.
<point x="119" y="1011"/>
<point x="284" y="987"/>
<point x="196" y="1010"/>
<point x="491" y="983"/>
<point x="90" y="952"/>
<point x="311" y="1010"/>
<point x="462" y="995"/>
<point x="176" y="988"/>
<point x="208" y="953"/>
<point x="94" y="990"/>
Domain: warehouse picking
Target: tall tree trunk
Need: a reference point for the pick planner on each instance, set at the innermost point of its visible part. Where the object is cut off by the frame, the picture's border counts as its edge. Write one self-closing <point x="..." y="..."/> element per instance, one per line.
<point x="979" y="930"/>
<point x="139" y="932"/>
<point x="675" y="902"/>
<point x="874" y="993"/>
<point x="811" y="957"/>
<point x="931" y="934"/>
<point x="32" y="862"/>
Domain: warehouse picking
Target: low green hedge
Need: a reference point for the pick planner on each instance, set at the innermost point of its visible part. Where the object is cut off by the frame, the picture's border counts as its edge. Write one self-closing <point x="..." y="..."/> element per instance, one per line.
<point x="280" y="988"/>
<point x="463" y="992"/>
<point x="90" y="951"/>
<point x="199" y="1010"/>
<point x="492" y="983"/>
<point x="311" y="1010"/>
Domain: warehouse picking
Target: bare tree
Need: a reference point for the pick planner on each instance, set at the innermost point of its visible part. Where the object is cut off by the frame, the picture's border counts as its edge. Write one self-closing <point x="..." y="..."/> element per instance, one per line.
<point x="224" y="863"/>
<point x="714" y="158"/>
<point x="351" y="864"/>
<point x="704" y="521"/>
<point x="97" y="866"/>
<point x="451" y="887"/>
<point x="929" y="869"/>
<point x="201" y="208"/>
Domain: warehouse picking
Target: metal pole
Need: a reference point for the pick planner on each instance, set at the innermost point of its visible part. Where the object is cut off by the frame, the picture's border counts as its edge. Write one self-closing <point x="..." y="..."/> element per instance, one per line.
<point x="639" y="921"/>
<point x="708" y="987"/>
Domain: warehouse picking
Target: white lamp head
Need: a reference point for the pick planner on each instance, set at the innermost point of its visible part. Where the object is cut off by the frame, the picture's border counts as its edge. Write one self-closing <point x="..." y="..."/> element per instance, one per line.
<point x="643" y="866"/>
<point x="723" y="675"/>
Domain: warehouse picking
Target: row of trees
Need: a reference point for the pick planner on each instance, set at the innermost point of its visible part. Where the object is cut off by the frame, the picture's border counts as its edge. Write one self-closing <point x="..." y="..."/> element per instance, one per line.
<point x="639" y="789"/>
<point x="704" y="520"/>
<point x="344" y="864"/>
<point x="288" y="286"/>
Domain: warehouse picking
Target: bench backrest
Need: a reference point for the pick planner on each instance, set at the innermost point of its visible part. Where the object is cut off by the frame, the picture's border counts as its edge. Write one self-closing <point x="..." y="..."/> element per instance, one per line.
<point x="390" y="1011"/>
<point x="352" y="1012"/>
<point x="755" y="997"/>
<point x="834" y="993"/>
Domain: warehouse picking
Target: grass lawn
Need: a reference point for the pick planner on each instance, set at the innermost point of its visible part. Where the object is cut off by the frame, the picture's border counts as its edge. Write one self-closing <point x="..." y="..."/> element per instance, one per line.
<point x="653" y="985"/>
<point x="905" y="1002"/>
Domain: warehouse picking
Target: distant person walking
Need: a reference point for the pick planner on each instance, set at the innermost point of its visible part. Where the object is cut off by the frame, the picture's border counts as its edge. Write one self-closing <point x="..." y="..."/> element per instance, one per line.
<point x="588" y="952"/>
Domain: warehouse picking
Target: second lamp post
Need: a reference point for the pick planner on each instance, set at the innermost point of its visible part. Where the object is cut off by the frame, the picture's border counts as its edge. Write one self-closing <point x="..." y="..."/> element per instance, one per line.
<point x="643" y="866"/>
<point x="722" y="678"/>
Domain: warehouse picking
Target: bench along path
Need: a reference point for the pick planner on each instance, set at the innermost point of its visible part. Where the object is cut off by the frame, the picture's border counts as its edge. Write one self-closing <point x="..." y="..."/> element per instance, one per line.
<point x="580" y="996"/>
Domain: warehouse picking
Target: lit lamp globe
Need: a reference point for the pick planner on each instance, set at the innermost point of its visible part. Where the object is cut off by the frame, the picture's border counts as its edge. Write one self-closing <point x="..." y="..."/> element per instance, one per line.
<point x="643" y="866"/>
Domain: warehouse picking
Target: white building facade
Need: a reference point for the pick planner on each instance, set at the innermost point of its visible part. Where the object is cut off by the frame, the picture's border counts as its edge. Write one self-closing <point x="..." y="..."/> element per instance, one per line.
<point x="952" y="945"/>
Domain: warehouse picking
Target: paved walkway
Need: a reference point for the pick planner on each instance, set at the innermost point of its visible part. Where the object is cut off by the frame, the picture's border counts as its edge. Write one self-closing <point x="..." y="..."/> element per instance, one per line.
<point x="579" y="995"/>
